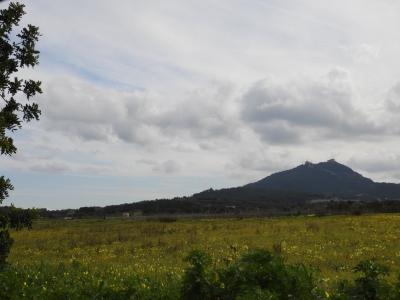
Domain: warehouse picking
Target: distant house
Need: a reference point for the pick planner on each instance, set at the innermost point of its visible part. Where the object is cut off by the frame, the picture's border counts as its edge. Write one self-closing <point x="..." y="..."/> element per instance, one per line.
<point x="126" y="215"/>
<point x="230" y="206"/>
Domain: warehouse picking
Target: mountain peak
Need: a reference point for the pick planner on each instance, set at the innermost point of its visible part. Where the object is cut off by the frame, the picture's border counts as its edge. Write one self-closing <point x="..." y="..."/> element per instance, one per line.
<point x="328" y="178"/>
<point x="308" y="163"/>
<point x="331" y="161"/>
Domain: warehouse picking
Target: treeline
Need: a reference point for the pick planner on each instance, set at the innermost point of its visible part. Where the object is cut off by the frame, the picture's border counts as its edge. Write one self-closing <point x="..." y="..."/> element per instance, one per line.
<point x="235" y="201"/>
<point x="18" y="218"/>
<point x="225" y="201"/>
<point x="236" y="207"/>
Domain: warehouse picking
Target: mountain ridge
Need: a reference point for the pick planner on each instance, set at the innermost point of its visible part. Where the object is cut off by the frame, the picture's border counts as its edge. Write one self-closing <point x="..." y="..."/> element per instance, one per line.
<point x="328" y="178"/>
<point x="322" y="188"/>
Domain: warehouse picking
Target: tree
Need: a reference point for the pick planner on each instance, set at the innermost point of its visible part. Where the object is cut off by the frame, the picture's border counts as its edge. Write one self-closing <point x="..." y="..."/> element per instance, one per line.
<point x="17" y="52"/>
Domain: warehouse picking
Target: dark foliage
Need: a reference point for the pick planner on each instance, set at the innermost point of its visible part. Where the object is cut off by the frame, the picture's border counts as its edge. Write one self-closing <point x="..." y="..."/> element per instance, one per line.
<point x="199" y="282"/>
<point x="190" y="207"/>
<point x="17" y="51"/>
<point x="258" y="274"/>
<point x="371" y="285"/>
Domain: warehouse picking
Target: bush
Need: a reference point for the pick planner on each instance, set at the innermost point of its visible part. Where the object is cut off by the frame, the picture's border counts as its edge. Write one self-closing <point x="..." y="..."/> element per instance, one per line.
<point x="5" y="245"/>
<point x="262" y="275"/>
<point x="197" y="282"/>
<point x="258" y="274"/>
<point x="371" y="285"/>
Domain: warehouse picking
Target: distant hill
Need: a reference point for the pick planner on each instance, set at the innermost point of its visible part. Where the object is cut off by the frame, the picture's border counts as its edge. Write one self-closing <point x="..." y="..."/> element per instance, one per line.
<point x="325" y="187"/>
<point x="330" y="179"/>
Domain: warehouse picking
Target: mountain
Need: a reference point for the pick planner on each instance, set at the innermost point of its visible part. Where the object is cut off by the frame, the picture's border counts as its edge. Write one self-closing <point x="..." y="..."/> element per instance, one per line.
<point x="306" y="189"/>
<point x="328" y="178"/>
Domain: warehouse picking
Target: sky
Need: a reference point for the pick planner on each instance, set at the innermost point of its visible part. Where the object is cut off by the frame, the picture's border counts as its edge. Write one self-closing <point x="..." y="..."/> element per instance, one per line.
<point x="154" y="99"/>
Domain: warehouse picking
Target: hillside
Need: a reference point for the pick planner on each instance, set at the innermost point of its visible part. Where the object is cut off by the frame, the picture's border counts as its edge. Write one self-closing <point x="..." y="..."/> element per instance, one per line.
<point x="330" y="179"/>
<point x="325" y="187"/>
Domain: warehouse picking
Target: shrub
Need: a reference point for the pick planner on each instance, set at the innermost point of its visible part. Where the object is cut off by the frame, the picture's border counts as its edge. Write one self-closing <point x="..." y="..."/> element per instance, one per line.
<point x="371" y="285"/>
<point x="258" y="274"/>
<point x="197" y="282"/>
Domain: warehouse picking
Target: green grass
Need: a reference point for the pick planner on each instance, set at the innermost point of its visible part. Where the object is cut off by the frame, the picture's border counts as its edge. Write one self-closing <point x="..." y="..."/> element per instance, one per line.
<point x="333" y="245"/>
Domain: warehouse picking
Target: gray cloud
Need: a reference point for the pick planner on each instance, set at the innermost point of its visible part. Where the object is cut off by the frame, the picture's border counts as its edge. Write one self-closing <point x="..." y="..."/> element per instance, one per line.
<point x="306" y="110"/>
<point x="200" y="118"/>
<point x="264" y="161"/>
<point x="278" y="132"/>
<point x="253" y="164"/>
<point x="82" y="110"/>
<point x="376" y="164"/>
<point x="393" y="99"/>
<point x="168" y="167"/>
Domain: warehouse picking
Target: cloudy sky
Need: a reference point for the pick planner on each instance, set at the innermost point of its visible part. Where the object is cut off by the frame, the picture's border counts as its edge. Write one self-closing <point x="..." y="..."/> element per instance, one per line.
<point x="147" y="99"/>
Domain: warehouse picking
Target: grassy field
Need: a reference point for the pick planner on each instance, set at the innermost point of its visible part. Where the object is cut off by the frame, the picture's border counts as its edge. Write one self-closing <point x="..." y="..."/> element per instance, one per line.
<point x="333" y="245"/>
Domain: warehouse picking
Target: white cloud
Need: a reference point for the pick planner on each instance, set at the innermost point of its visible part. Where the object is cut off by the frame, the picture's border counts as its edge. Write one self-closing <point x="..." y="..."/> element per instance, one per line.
<point x="307" y="110"/>
<point x="169" y="166"/>
<point x="230" y="89"/>
<point x="363" y="53"/>
<point x="393" y="99"/>
<point x="80" y="109"/>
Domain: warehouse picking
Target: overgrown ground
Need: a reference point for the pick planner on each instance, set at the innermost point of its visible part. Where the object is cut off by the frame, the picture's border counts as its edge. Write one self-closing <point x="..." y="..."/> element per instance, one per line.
<point x="333" y="245"/>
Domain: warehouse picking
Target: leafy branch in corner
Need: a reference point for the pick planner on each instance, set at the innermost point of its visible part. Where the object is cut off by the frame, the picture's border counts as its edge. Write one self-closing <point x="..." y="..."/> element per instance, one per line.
<point x="17" y="52"/>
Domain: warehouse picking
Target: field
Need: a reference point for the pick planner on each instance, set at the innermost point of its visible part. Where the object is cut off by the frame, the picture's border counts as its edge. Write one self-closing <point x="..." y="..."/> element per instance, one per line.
<point x="334" y="244"/>
<point x="331" y="245"/>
